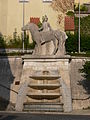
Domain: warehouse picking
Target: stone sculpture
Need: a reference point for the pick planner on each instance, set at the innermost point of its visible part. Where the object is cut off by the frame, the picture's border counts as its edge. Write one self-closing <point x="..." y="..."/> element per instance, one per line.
<point x="44" y="36"/>
<point x="45" y="24"/>
<point x="45" y="81"/>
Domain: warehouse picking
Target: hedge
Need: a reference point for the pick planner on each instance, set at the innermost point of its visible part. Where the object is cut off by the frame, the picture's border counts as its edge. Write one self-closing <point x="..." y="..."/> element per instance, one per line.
<point x="72" y="43"/>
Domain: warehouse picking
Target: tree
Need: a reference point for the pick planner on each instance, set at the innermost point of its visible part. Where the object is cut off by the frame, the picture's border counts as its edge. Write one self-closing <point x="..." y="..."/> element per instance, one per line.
<point x="62" y="5"/>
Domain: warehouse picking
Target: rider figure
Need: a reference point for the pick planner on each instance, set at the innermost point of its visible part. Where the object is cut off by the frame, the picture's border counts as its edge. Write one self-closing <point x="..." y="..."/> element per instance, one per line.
<point x="45" y="25"/>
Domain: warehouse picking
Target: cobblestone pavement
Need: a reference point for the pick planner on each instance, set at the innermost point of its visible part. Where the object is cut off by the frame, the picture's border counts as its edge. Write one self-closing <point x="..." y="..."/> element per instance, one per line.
<point x="29" y="116"/>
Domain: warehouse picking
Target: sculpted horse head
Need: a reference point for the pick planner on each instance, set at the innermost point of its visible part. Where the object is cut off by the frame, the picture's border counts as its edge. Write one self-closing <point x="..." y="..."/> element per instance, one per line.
<point x="30" y="26"/>
<point x="34" y="30"/>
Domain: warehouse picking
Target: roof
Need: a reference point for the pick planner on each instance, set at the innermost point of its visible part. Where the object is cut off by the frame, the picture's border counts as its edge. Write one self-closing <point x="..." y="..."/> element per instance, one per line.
<point x="69" y="23"/>
<point x="34" y="20"/>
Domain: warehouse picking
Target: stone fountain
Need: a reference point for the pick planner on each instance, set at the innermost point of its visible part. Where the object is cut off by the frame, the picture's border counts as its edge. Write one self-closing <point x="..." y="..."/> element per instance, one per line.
<point x="45" y="80"/>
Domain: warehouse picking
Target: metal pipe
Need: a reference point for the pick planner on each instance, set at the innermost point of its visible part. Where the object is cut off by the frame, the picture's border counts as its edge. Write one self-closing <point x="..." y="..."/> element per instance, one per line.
<point x="23" y="1"/>
<point x="79" y="30"/>
<point x="23" y="22"/>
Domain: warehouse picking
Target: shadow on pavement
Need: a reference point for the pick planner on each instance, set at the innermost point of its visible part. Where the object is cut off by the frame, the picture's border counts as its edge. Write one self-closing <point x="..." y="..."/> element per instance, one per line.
<point x="8" y="118"/>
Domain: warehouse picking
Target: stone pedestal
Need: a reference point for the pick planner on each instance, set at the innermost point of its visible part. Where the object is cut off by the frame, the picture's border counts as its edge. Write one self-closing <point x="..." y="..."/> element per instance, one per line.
<point x="46" y="64"/>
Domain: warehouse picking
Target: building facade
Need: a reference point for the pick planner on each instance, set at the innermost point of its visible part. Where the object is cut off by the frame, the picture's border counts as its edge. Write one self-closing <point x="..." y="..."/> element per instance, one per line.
<point x="82" y="1"/>
<point x="11" y="14"/>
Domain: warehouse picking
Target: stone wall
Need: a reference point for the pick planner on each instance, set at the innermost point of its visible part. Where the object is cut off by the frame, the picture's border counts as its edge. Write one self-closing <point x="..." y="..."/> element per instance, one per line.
<point x="10" y="75"/>
<point x="33" y="65"/>
<point x="80" y="97"/>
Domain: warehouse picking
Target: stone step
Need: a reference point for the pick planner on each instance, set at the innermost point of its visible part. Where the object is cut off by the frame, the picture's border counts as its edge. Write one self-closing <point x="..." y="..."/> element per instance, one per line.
<point x="44" y="86"/>
<point x="44" y="95"/>
<point x="42" y="77"/>
<point x="44" y="107"/>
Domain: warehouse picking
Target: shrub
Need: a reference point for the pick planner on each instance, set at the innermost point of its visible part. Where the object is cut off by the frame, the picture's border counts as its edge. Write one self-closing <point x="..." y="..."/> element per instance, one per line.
<point x="82" y="8"/>
<point x="86" y="74"/>
<point x="84" y="24"/>
<point x="2" y="42"/>
<point x="86" y="70"/>
<point x="72" y="43"/>
<point x="14" y="43"/>
<point x="85" y="43"/>
<point x="70" y="13"/>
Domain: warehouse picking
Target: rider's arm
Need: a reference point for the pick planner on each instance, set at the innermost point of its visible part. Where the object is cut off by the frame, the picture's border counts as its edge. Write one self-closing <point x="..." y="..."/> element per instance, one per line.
<point x="40" y="29"/>
<point x="49" y="26"/>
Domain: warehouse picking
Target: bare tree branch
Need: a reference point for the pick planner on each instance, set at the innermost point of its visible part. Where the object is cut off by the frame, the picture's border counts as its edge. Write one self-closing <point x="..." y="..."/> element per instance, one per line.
<point x="62" y="5"/>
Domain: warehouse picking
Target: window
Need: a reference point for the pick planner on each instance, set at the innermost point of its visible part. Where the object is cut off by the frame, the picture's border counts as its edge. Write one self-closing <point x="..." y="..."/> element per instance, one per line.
<point x="23" y="0"/>
<point x="47" y="0"/>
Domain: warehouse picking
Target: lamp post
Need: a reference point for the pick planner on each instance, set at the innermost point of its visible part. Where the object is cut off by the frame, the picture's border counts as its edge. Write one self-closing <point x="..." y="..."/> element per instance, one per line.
<point x="23" y="2"/>
<point x="79" y="30"/>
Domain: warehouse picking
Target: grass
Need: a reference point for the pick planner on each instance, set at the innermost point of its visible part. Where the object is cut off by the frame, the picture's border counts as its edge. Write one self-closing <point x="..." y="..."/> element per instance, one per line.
<point x="80" y="54"/>
<point x="15" y="53"/>
<point x="21" y="53"/>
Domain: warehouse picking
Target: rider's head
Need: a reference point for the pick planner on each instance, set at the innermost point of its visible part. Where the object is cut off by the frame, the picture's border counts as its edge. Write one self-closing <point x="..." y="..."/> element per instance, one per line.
<point x="46" y="18"/>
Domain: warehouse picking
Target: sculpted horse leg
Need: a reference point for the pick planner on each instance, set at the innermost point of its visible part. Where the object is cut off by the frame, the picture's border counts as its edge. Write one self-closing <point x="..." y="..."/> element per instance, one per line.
<point x="37" y="39"/>
<point x="57" y="42"/>
<point x="55" y="48"/>
<point x="38" y="46"/>
<point x="37" y="49"/>
<point x="61" y="45"/>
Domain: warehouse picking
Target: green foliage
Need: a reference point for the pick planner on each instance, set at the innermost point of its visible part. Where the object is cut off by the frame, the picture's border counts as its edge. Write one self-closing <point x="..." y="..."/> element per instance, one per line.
<point x="70" y="13"/>
<point x="2" y="42"/>
<point x="39" y="24"/>
<point x="32" y="45"/>
<point x="86" y="74"/>
<point x="76" y="7"/>
<point x="82" y="8"/>
<point x="84" y="24"/>
<point x="85" y="32"/>
<point x="11" y="54"/>
<point x="82" y="54"/>
<point x="26" y="41"/>
<point x="86" y="70"/>
<point x="72" y="43"/>
<point x="85" y="43"/>
<point x="14" y="43"/>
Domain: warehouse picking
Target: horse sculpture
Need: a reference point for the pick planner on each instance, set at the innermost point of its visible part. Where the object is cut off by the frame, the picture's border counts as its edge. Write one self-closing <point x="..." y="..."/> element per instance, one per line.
<point x="41" y="37"/>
